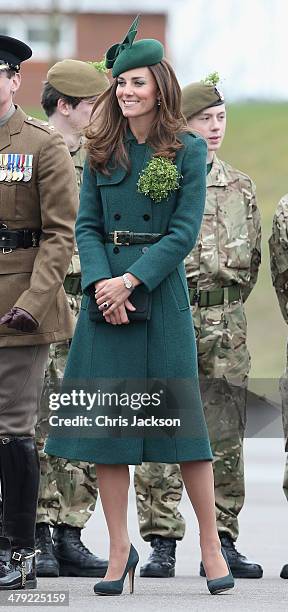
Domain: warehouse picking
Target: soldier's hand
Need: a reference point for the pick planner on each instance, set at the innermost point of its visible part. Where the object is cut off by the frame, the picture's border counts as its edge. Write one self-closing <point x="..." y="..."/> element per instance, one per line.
<point x="19" y="319"/>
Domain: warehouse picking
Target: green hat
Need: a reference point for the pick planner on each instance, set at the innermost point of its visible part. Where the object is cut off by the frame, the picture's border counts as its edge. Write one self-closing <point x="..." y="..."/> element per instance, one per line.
<point x="127" y="54"/>
<point x="198" y="96"/>
<point x="78" y="79"/>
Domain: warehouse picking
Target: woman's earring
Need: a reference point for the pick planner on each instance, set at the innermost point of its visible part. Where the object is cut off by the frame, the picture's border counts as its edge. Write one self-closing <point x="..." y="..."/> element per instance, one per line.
<point x="158" y="102"/>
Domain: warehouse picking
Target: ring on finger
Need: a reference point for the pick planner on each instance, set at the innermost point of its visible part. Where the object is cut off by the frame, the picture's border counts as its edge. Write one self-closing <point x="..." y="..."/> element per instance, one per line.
<point x="105" y="305"/>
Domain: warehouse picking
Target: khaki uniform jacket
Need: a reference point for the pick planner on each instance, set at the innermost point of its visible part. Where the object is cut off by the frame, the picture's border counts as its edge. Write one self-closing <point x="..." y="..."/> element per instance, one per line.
<point x="32" y="278"/>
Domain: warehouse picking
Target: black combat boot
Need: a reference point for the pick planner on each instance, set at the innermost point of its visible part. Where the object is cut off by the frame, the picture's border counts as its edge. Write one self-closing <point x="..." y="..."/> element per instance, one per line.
<point x="19" y="470"/>
<point x="73" y="557"/>
<point x="46" y="562"/>
<point x="239" y="564"/>
<point x="161" y="561"/>
<point x="284" y="572"/>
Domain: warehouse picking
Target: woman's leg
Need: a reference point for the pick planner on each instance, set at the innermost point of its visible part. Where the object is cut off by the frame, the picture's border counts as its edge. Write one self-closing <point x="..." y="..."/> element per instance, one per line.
<point x="113" y="481"/>
<point x="199" y="483"/>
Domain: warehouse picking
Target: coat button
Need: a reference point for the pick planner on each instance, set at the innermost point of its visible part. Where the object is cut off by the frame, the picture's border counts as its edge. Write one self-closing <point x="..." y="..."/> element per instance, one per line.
<point x="146" y="217"/>
<point x="116" y="250"/>
<point x="145" y="249"/>
<point x="117" y="217"/>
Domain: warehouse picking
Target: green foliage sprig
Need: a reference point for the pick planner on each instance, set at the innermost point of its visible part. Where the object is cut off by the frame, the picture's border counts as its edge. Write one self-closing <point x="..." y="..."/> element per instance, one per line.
<point x="159" y="179"/>
<point x="212" y="79"/>
<point x="100" y="66"/>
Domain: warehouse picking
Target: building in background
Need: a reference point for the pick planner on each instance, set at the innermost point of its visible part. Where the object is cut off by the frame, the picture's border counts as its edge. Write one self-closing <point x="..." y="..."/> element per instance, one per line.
<point x="68" y="29"/>
<point x="245" y="41"/>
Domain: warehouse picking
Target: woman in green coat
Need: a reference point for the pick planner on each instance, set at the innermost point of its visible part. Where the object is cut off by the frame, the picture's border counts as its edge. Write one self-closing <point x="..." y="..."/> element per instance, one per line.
<point x="133" y="235"/>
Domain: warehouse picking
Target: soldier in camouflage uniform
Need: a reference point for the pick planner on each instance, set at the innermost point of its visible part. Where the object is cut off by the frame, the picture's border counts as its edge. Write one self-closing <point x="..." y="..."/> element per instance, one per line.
<point x="221" y="272"/>
<point x="159" y="488"/>
<point x="278" y="244"/>
<point x="68" y="489"/>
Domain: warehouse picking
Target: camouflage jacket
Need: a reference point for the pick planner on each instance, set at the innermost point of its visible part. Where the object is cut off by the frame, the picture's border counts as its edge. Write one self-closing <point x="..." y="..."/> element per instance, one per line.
<point x="278" y="245"/>
<point x="78" y="159"/>
<point x="228" y="249"/>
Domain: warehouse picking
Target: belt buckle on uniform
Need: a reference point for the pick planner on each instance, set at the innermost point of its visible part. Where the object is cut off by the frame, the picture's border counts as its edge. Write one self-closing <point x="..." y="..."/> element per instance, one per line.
<point x="196" y="298"/>
<point x="34" y="240"/>
<point x="5" y="250"/>
<point x="16" y="556"/>
<point x="116" y="237"/>
<point x="5" y="440"/>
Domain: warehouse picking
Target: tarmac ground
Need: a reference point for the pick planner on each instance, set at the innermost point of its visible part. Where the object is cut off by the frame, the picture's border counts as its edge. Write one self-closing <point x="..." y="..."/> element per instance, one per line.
<point x="263" y="537"/>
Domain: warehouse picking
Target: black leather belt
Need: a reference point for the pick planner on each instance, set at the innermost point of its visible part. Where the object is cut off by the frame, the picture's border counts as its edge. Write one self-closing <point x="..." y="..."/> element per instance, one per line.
<point x="215" y="297"/>
<point x="125" y="238"/>
<point x="18" y="239"/>
<point x="72" y="284"/>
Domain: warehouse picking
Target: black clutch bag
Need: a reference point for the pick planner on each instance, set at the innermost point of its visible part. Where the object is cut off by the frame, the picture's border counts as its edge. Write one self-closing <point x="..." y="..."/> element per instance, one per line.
<point x="140" y="298"/>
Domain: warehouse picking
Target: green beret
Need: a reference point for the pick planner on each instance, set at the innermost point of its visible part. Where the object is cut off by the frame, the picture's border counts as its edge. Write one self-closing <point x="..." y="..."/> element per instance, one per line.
<point x="198" y="96"/>
<point x="77" y="79"/>
<point x="127" y="54"/>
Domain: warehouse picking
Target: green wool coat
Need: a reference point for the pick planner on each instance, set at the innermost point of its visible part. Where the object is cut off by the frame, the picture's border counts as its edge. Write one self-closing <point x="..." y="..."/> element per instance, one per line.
<point x="162" y="347"/>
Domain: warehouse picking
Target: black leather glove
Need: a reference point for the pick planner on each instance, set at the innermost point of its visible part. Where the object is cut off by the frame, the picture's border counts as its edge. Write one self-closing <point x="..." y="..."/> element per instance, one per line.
<point x="19" y="319"/>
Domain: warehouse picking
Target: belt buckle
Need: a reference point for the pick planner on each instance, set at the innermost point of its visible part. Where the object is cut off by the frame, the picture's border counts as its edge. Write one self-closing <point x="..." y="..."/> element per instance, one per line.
<point x="34" y="239"/>
<point x="4" y="250"/>
<point x="5" y="440"/>
<point x="16" y="556"/>
<point x="75" y="285"/>
<point x="117" y="233"/>
<point x="196" y="298"/>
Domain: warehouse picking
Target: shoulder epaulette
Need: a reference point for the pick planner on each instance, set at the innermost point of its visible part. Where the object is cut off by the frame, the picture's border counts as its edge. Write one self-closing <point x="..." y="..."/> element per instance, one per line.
<point x="41" y="125"/>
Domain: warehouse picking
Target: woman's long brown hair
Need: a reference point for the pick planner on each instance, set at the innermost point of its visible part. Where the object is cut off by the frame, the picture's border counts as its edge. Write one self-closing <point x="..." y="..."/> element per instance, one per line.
<point x="106" y="132"/>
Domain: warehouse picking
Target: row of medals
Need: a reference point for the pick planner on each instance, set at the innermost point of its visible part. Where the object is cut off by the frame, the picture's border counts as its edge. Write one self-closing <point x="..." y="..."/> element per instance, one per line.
<point x="14" y="167"/>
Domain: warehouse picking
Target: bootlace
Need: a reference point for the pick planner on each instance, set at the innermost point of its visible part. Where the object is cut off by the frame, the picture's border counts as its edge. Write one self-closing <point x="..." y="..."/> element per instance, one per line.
<point x="73" y="536"/>
<point x="162" y="548"/>
<point x="81" y="547"/>
<point x="43" y="540"/>
<point x="232" y="546"/>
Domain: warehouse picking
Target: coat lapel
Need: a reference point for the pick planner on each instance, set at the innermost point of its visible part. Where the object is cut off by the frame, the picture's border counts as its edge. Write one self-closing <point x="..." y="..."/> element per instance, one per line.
<point x="4" y="136"/>
<point x="117" y="175"/>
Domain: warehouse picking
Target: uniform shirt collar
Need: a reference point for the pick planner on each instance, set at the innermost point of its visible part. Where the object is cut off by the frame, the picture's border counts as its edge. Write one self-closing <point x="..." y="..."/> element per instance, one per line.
<point x="217" y="176"/>
<point x="7" y="115"/>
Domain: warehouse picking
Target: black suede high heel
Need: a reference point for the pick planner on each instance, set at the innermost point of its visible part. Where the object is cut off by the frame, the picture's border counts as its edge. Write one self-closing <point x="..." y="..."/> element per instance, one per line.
<point x="218" y="585"/>
<point x="115" y="587"/>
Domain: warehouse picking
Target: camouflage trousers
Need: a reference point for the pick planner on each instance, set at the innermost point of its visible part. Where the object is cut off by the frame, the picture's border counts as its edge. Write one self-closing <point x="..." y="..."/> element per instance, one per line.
<point x="283" y="386"/>
<point x="224" y="363"/>
<point x="68" y="489"/>
<point x="158" y="488"/>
